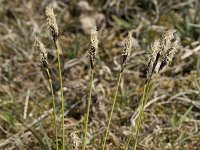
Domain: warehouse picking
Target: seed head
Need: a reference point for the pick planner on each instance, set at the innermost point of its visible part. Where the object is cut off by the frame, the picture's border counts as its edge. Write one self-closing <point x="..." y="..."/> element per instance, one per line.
<point x="153" y="59"/>
<point x="128" y="44"/>
<point x="75" y="139"/>
<point x="169" y="47"/>
<point x="162" y="50"/>
<point x="154" y="49"/>
<point x="51" y="22"/>
<point x="94" y="37"/>
<point x="169" y="35"/>
<point x="172" y="51"/>
<point x="94" y="45"/>
<point x="41" y="50"/>
<point x="167" y="39"/>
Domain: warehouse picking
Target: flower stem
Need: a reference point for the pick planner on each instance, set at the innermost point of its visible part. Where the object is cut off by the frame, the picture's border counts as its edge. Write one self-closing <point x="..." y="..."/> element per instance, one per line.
<point x="133" y="129"/>
<point x="88" y="107"/>
<point x="62" y="97"/>
<point x="54" y="107"/>
<point x="146" y="93"/>
<point x="141" y="112"/>
<point x="111" y="113"/>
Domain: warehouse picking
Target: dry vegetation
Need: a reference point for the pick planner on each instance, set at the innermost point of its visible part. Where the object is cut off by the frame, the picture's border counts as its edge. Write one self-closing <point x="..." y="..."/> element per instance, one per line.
<point x="171" y="119"/>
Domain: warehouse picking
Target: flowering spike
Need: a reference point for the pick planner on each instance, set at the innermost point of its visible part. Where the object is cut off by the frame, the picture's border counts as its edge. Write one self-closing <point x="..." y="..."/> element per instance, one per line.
<point x="128" y="44"/>
<point x="51" y="22"/>
<point x="94" y="45"/>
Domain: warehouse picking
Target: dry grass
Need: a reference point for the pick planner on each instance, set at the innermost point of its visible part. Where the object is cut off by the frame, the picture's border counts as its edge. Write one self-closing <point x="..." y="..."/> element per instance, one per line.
<point x="171" y="117"/>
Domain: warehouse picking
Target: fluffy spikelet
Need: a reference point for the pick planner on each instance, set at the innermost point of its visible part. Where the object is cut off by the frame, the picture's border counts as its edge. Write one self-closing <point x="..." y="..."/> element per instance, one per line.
<point x="169" y="35"/>
<point x="41" y="50"/>
<point x="172" y="51"/>
<point x="94" y="45"/>
<point x="167" y="40"/>
<point x="170" y="41"/>
<point x="153" y="59"/>
<point x="94" y="37"/>
<point x="51" y="22"/>
<point x="128" y="44"/>
<point x="76" y="140"/>
<point x="169" y="47"/>
<point x="165" y="47"/>
<point x="154" y="49"/>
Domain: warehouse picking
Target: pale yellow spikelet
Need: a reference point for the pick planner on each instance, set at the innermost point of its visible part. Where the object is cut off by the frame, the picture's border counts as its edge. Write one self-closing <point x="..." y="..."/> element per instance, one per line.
<point x="94" y="37"/>
<point x="169" y="34"/>
<point x="76" y="140"/>
<point x="154" y="49"/>
<point x="94" y="45"/>
<point x="167" y="39"/>
<point x="51" y="22"/>
<point x="154" y="56"/>
<point x="41" y="50"/>
<point x="128" y="44"/>
<point x="169" y="47"/>
<point x="173" y="50"/>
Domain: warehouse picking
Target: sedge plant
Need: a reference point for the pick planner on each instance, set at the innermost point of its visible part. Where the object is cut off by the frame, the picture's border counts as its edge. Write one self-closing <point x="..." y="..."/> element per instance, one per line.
<point x="52" y="24"/>
<point x="40" y="48"/>
<point x="162" y="52"/>
<point x="92" y="54"/>
<point x="127" y="48"/>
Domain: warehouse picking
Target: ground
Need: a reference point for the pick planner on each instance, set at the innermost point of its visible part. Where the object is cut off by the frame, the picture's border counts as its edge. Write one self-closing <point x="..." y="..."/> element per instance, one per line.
<point x="171" y="119"/>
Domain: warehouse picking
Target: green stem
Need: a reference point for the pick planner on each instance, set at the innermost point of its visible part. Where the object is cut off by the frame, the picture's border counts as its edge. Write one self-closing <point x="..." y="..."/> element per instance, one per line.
<point x="147" y="91"/>
<point x="88" y="107"/>
<point x="54" y="107"/>
<point x="133" y="129"/>
<point x="139" y="119"/>
<point x="111" y="113"/>
<point x="62" y="97"/>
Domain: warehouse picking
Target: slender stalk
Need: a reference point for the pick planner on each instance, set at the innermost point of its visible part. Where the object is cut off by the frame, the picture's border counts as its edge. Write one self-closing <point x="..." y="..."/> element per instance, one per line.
<point x="54" y="107"/>
<point x="111" y="113"/>
<point x="141" y="112"/>
<point x="62" y="97"/>
<point x="133" y="129"/>
<point x="146" y="93"/>
<point x="88" y="107"/>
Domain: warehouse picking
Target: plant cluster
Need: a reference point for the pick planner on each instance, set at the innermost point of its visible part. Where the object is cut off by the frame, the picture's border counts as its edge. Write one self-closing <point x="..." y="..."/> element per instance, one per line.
<point x="161" y="53"/>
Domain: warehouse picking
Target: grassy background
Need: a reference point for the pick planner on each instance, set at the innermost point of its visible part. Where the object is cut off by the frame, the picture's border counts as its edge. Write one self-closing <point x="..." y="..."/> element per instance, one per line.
<point x="172" y="121"/>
